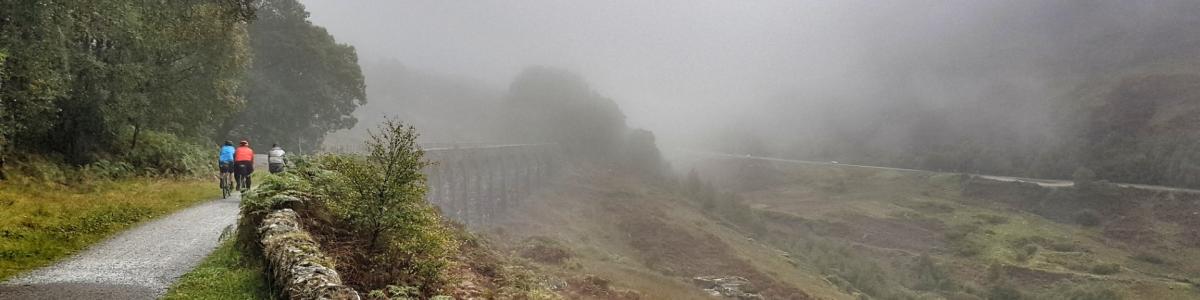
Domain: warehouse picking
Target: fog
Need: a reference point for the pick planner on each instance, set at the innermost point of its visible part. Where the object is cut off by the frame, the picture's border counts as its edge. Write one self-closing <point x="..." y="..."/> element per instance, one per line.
<point x="671" y="65"/>
<point x="802" y="77"/>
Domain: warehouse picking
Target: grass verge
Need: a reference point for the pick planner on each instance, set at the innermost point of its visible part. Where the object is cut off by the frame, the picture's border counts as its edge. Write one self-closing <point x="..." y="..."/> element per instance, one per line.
<point x="42" y="223"/>
<point x="225" y="274"/>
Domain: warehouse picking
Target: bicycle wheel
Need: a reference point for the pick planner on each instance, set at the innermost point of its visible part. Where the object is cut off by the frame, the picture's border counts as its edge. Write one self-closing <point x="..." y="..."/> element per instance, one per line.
<point x="225" y="190"/>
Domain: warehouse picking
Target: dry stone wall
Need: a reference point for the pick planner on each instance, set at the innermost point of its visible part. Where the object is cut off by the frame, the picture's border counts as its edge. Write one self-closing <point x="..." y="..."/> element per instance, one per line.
<point x="298" y="269"/>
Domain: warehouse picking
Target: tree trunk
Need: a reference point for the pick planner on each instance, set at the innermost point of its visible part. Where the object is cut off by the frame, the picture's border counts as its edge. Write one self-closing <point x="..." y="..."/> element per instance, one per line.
<point x="137" y="130"/>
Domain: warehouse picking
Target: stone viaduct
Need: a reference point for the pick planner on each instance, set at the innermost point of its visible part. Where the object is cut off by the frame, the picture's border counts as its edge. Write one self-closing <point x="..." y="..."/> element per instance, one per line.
<point x="474" y="184"/>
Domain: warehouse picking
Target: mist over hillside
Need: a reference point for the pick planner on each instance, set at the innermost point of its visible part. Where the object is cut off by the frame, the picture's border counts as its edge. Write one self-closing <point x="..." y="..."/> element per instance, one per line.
<point x="1015" y="87"/>
<point x="1004" y="87"/>
<point x="445" y="108"/>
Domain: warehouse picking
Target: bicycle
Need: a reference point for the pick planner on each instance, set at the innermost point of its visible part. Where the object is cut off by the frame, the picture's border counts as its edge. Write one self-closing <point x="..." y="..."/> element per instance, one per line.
<point x="242" y="177"/>
<point x="225" y="175"/>
<point x="226" y="185"/>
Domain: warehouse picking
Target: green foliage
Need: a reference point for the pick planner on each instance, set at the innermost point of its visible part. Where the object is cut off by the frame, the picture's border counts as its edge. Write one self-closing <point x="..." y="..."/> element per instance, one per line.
<point x="300" y="74"/>
<point x="381" y="195"/>
<point x="42" y="222"/>
<point x="225" y="274"/>
<point x="78" y="74"/>
<point x="377" y="203"/>
<point x="166" y="154"/>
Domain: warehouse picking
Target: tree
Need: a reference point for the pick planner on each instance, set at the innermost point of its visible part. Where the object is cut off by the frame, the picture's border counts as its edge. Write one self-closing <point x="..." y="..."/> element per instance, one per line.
<point x="553" y="105"/>
<point x="381" y="196"/>
<point x="302" y="85"/>
<point x="83" y="79"/>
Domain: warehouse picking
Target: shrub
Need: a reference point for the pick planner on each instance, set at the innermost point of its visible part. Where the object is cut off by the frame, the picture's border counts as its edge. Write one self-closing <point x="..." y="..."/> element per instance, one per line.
<point x="380" y="195"/>
<point x="105" y="169"/>
<point x="1105" y="269"/>
<point x="1087" y="217"/>
<point x="1026" y="252"/>
<point x="380" y="198"/>
<point x="158" y="153"/>
<point x="1150" y="258"/>
<point x="1067" y="247"/>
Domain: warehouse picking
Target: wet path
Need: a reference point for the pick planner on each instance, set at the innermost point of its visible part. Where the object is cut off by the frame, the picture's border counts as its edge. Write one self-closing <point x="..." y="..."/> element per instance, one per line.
<point x="140" y="263"/>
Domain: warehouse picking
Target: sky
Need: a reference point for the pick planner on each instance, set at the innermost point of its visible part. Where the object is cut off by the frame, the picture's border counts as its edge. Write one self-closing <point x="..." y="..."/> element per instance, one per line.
<point x="678" y="67"/>
<point x="671" y="65"/>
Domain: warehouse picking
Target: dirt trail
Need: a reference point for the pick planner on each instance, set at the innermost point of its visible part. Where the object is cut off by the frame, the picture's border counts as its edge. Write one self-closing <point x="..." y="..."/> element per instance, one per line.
<point x="140" y="263"/>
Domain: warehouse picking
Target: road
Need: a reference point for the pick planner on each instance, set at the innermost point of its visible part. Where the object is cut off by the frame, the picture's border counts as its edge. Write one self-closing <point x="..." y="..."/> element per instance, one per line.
<point x="1038" y="181"/>
<point x="140" y="263"/>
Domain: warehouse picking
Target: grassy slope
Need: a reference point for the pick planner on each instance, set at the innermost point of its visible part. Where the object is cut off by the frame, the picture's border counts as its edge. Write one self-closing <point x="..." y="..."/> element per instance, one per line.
<point x="644" y="238"/>
<point x="41" y="223"/>
<point x="894" y="217"/>
<point x="225" y="274"/>
<point x="845" y="231"/>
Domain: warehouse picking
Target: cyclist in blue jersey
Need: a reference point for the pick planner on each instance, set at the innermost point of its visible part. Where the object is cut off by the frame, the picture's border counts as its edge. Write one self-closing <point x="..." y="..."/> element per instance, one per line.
<point x="225" y="161"/>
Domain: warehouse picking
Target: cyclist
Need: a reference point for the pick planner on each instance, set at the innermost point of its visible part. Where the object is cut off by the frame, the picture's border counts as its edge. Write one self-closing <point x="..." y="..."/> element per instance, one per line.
<point x="275" y="159"/>
<point x="243" y="160"/>
<point x="225" y="162"/>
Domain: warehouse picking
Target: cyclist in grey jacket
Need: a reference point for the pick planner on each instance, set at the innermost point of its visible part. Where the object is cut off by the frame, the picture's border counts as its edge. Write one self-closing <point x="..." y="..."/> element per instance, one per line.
<point x="275" y="159"/>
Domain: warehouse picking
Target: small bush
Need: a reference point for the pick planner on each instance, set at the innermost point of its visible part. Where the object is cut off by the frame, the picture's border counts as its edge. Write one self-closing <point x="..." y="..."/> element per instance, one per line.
<point x="1026" y="252"/>
<point x="375" y="204"/>
<point x="1087" y="217"/>
<point x="545" y="250"/>
<point x="380" y="197"/>
<point x="106" y="170"/>
<point x="1067" y="247"/>
<point x="1150" y="258"/>
<point x="158" y="153"/>
<point x="1105" y="269"/>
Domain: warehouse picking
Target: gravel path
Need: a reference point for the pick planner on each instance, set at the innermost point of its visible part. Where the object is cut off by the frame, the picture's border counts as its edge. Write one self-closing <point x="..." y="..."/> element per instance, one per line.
<point x="140" y="263"/>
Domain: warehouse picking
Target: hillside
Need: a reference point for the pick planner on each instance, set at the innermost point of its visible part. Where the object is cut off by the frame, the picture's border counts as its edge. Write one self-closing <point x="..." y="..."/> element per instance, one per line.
<point x="640" y="236"/>
<point x="1024" y="88"/>
<point x="896" y="235"/>
<point x="840" y="233"/>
